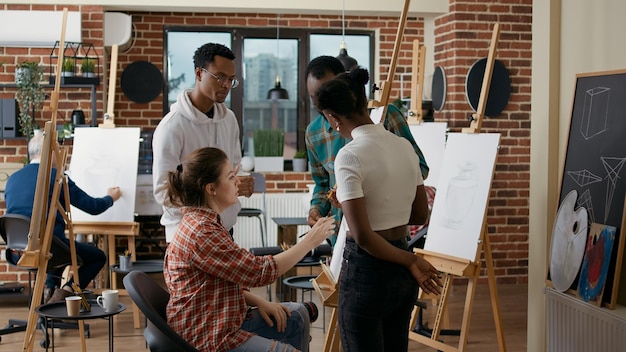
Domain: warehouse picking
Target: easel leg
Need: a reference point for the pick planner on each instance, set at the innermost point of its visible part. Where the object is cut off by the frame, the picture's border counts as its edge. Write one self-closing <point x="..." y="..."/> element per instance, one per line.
<point x="32" y="315"/>
<point x="493" y="291"/>
<point x="332" y="340"/>
<point x="467" y="311"/>
<point x="443" y="301"/>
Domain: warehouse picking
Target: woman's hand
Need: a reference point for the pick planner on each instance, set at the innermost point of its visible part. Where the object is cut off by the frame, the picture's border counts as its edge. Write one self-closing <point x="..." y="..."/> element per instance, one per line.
<point x="426" y="275"/>
<point x="323" y="228"/>
<point x="269" y="310"/>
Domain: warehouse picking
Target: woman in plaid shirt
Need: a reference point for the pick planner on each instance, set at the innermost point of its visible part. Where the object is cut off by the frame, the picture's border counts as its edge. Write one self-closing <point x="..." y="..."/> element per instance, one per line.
<point x="208" y="275"/>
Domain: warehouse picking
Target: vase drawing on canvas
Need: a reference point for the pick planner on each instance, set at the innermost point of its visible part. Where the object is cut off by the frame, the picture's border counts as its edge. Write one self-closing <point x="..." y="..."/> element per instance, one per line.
<point x="460" y="195"/>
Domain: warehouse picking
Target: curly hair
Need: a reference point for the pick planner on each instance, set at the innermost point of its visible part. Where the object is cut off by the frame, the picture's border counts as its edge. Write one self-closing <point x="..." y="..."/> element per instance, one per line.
<point x="185" y="185"/>
<point x="207" y="52"/>
<point x="344" y="94"/>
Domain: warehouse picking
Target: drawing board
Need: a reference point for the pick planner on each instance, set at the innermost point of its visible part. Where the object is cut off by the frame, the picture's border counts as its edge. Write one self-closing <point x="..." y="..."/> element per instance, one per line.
<point x="103" y="158"/>
<point x="595" y="160"/>
<point x="431" y="138"/>
<point x="460" y="205"/>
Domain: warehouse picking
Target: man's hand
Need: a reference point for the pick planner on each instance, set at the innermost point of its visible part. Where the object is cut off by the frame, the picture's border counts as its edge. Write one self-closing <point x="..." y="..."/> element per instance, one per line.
<point x="314" y="215"/>
<point x="115" y="193"/>
<point x="246" y="186"/>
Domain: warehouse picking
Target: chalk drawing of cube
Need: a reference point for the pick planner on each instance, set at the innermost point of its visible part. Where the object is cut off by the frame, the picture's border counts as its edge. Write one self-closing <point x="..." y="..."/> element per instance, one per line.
<point x="595" y="112"/>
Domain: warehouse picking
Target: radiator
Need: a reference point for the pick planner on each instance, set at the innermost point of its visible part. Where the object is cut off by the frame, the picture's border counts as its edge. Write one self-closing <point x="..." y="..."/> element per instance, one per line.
<point x="247" y="231"/>
<point x="576" y="326"/>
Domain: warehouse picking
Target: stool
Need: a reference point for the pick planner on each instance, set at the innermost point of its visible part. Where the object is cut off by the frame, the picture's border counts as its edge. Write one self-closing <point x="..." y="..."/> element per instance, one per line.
<point x="145" y="266"/>
<point x="303" y="282"/>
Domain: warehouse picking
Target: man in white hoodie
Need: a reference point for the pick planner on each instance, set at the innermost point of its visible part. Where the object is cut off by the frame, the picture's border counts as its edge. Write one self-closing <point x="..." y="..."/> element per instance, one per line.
<point x="199" y="118"/>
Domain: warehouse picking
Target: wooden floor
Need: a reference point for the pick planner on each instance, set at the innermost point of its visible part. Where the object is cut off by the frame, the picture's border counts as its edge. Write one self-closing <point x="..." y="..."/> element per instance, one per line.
<point x="482" y="336"/>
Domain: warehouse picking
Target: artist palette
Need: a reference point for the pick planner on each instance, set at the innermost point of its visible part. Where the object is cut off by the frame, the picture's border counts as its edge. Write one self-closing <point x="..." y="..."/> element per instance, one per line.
<point x="569" y="237"/>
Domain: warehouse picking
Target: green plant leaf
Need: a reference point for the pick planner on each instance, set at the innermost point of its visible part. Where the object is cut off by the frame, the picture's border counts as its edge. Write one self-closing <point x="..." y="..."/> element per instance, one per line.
<point x="269" y="142"/>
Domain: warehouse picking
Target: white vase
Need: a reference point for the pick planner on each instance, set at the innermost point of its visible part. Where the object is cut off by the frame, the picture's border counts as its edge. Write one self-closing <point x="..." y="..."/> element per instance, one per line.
<point x="268" y="163"/>
<point x="299" y="165"/>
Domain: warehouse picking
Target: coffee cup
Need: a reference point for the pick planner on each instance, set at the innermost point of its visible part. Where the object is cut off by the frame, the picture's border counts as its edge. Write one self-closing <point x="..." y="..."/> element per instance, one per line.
<point x="73" y="306"/>
<point x="109" y="300"/>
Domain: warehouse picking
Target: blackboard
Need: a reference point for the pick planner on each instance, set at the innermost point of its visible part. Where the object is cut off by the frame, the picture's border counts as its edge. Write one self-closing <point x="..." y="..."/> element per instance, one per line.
<point x="596" y="155"/>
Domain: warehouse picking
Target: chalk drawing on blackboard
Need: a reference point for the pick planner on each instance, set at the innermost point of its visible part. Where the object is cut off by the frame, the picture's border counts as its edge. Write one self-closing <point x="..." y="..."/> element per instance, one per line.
<point x="584" y="177"/>
<point x="595" y="112"/>
<point x="460" y="195"/>
<point x="585" y="200"/>
<point x="613" y="167"/>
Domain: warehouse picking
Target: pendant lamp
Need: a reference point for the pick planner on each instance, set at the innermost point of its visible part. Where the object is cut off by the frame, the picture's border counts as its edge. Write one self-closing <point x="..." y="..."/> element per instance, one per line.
<point x="278" y="92"/>
<point x="347" y="61"/>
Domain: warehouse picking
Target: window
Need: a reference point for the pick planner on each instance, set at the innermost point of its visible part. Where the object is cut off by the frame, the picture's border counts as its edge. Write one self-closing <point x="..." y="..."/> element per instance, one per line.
<point x="259" y="58"/>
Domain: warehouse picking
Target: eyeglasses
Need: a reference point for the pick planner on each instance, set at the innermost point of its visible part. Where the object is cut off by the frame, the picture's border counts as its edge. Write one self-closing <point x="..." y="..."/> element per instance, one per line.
<point x="232" y="82"/>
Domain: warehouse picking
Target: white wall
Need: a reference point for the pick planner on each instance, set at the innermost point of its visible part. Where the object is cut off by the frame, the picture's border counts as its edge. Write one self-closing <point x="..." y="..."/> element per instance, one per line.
<point x="569" y="37"/>
<point x="387" y="7"/>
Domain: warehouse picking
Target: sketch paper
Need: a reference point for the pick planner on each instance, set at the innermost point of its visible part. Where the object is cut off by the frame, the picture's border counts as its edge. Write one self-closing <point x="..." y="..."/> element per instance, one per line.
<point x="103" y="158"/>
<point x="460" y="204"/>
<point x="431" y="138"/>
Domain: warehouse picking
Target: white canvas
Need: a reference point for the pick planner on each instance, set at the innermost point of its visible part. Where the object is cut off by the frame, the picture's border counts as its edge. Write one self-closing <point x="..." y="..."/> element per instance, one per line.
<point x="462" y="194"/>
<point x="431" y="138"/>
<point x="103" y="158"/>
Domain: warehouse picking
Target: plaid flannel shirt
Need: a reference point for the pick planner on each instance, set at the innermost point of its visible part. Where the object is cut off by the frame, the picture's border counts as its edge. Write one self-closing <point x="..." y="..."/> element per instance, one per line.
<point x="206" y="274"/>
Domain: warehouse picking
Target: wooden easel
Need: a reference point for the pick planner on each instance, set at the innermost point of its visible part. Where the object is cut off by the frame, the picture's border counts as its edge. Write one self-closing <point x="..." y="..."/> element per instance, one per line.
<point x="109" y="116"/>
<point x="452" y="266"/>
<point x="386" y="85"/>
<point x="37" y="252"/>
<point x="328" y="290"/>
<point x="415" y="116"/>
<point x="112" y="229"/>
<point x="325" y="284"/>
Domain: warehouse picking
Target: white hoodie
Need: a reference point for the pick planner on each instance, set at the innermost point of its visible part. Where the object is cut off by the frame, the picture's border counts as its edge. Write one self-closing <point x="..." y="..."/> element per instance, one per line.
<point x="183" y="130"/>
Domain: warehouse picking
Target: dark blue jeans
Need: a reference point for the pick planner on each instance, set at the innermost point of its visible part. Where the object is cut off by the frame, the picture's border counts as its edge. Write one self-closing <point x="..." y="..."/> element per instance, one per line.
<point x="93" y="260"/>
<point x="375" y="302"/>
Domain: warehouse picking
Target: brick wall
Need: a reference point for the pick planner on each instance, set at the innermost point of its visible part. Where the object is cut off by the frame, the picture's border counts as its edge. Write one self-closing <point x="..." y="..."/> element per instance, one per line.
<point x="462" y="36"/>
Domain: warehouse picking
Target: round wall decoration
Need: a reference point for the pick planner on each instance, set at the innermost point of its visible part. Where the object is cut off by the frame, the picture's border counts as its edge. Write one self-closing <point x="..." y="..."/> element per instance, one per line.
<point x="142" y="82"/>
<point x="499" y="90"/>
<point x="439" y="89"/>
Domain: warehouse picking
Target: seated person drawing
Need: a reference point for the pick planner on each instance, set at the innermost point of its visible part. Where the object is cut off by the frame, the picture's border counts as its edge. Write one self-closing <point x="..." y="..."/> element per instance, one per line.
<point x="20" y="195"/>
<point x="380" y="190"/>
<point x="208" y="274"/>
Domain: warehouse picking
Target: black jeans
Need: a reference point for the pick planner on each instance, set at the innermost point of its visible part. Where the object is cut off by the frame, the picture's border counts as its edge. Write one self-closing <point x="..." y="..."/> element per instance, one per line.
<point x="375" y="302"/>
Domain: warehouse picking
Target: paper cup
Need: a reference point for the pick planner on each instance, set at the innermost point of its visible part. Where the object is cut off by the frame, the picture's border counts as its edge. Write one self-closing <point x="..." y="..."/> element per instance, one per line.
<point x="73" y="306"/>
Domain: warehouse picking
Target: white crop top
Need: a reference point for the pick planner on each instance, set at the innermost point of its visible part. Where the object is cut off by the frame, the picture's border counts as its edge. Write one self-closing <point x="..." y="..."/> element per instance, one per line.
<point x="383" y="168"/>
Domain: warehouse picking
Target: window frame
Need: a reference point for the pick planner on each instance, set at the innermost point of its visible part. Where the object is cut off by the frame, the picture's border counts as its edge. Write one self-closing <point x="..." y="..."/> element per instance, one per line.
<point x="237" y="36"/>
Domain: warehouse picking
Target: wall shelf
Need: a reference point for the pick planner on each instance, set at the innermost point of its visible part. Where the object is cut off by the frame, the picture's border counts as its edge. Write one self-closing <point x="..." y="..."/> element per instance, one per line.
<point x="94" y="112"/>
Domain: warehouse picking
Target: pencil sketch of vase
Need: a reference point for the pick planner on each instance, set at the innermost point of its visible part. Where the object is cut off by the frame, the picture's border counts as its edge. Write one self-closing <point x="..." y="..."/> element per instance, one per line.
<point x="460" y="195"/>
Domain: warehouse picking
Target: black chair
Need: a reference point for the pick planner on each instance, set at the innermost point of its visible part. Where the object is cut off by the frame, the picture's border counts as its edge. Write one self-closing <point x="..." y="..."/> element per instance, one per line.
<point x="259" y="213"/>
<point x="14" y="230"/>
<point x="152" y="300"/>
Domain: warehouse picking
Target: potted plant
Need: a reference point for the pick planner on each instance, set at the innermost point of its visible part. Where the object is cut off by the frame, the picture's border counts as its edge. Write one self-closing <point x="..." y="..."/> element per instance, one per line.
<point x="68" y="67"/>
<point x="88" y="67"/>
<point x="299" y="161"/>
<point x="30" y="95"/>
<point x="268" y="150"/>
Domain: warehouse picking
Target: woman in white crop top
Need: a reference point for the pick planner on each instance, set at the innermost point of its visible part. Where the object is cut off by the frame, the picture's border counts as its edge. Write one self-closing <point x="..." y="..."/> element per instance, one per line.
<point x="380" y="189"/>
